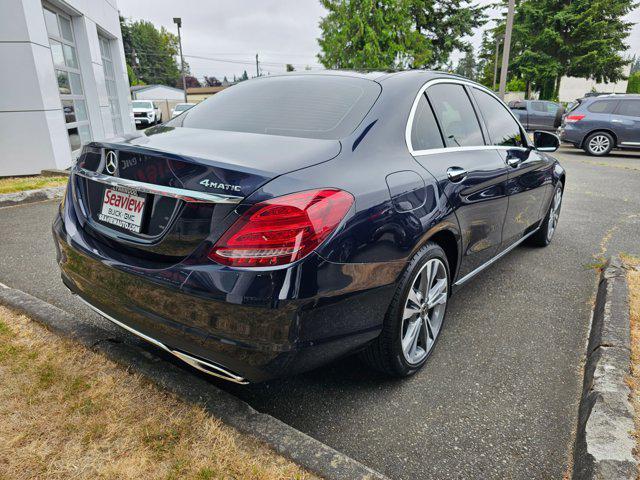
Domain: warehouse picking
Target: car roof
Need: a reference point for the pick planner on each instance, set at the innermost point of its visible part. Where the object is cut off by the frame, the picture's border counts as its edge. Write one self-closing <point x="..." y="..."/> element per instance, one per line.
<point x="375" y="75"/>
<point x="617" y="96"/>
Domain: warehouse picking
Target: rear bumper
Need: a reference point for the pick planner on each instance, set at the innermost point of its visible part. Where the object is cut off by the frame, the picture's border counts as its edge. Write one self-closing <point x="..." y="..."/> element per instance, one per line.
<point x="255" y="325"/>
<point x="570" y="134"/>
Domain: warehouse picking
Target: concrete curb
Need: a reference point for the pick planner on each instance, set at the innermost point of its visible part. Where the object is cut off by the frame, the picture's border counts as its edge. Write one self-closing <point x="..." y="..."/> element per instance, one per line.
<point x="29" y="196"/>
<point x="304" y="450"/>
<point x="604" y="441"/>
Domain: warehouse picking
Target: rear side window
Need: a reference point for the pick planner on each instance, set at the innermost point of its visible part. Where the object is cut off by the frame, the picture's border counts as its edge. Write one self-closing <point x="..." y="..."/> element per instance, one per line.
<point x="425" y="133"/>
<point x="503" y="129"/>
<point x="629" y="107"/>
<point x="312" y="106"/>
<point x="603" y="106"/>
<point x="455" y="114"/>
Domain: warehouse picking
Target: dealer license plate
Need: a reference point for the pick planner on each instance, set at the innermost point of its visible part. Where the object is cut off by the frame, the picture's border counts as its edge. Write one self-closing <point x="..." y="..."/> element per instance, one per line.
<point x="122" y="207"/>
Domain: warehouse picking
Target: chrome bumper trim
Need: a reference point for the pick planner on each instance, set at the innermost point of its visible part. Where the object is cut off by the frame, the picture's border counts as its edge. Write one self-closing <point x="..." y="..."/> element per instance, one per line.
<point x="179" y="193"/>
<point x="202" y="365"/>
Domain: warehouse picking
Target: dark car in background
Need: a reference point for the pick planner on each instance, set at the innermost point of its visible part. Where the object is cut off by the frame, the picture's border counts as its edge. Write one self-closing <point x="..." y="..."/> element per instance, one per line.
<point x="601" y="123"/>
<point x="290" y="220"/>
<point x="537" y="114"/>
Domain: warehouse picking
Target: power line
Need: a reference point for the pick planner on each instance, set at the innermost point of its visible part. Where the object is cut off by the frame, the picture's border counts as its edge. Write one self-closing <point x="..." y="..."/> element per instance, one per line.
<point x="233" y="61"/>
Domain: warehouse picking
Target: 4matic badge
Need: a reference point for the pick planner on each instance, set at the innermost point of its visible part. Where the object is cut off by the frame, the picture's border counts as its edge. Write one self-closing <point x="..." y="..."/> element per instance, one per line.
<point x="222" y="186"/>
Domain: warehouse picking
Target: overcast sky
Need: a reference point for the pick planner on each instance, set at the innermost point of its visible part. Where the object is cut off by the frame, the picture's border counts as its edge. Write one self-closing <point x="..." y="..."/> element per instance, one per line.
<point x="280" y="31"/>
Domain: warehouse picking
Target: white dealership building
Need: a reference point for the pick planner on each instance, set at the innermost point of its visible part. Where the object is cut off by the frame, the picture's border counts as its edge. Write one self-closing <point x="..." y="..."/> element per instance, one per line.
<point x="64" y="82"/>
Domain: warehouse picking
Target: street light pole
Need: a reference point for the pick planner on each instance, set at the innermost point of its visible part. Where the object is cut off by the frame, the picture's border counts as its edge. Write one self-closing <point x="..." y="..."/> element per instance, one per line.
<point x="178" y="22"/>
<point x="506" y="49"/>
<point x="495" y="64"/>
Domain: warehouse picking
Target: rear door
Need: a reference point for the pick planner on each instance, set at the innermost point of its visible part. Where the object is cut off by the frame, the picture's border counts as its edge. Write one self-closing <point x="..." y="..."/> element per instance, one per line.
<point x="626" y="122"/>
<point x="472" y="176"/>
<point x="541" y="117"/>
<point x="528" y="169"/>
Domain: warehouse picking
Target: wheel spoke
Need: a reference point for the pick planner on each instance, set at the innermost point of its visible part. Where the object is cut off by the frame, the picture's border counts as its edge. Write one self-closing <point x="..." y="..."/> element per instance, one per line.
<point x="410" y="311"/>
<point x="424" y="280"/>
<point x="415" y="298"/>
<point x="438" y="293"/>
<point x="411" y="337"/>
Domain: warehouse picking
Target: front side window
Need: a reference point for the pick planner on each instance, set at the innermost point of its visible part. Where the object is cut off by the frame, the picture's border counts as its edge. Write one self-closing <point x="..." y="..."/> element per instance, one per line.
<point x="630" y="108"/>
<point x="110" y="80"/>
<point x="311" y="106"/>
<point x="538" y="107"/>
<point x="425" y="133"/>
<point x="502" y="127"/>
<point x="458" y="120"/>
<point x="65" y="61"/>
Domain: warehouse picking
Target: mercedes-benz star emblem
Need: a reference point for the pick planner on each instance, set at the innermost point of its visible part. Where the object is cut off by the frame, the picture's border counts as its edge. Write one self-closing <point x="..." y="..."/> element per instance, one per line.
<point x="111" y="164"/>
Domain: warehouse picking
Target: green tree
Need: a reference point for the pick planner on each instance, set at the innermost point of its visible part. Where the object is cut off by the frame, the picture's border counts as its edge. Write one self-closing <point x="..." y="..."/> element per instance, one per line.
<point x="395" y="34"/>
<point x="633" y="86"/>
<point x="151" y="53"/>
<point x="554" y="38"/>
<point x="290" y="68"/>
<point x="371" y="35"/>
<point x="467" y="66"/>
<point x="446" y="23"/>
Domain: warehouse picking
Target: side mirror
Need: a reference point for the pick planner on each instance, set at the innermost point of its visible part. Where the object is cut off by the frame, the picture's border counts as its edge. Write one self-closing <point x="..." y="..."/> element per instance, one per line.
<point x="545" y="141"/>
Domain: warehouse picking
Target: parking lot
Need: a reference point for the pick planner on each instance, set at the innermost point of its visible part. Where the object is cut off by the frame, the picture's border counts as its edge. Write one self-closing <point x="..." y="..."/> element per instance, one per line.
<point x="499" y="396"/>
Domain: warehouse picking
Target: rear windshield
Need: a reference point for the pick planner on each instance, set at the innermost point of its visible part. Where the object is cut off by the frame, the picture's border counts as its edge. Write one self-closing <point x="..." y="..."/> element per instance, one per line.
<point x="181" y="107"/>
<point x="142" y="105"/>
<point x="313" y="106"/>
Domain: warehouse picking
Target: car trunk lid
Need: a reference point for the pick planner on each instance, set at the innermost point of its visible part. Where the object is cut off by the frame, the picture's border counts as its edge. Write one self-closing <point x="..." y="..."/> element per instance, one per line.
<point x="171" y="188"/>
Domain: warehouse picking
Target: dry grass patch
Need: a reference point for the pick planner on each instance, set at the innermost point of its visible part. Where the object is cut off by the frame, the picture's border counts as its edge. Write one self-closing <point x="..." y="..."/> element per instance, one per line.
<point x="633" y="279"/>
<point x="68" y="412"/>
<point x="18" y="184"/>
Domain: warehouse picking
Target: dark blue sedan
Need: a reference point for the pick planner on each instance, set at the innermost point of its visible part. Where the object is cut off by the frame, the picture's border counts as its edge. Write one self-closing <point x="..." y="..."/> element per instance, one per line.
<point x="290" y="220"/>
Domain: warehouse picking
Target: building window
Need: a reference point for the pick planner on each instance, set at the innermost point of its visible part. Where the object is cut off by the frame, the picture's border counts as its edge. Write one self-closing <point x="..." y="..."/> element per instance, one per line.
<point x="65" y="62"/>
<point x="110" y="80"/>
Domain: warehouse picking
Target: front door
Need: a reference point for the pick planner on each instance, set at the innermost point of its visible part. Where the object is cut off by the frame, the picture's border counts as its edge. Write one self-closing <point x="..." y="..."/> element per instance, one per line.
<point x="472" y="176"/>
<point x="529" y="171"/>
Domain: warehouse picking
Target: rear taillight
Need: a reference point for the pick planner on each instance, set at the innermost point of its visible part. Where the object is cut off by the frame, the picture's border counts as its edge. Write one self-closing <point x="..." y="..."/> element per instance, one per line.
<point x="573" y="118"/>
<point x="283" y="229"/>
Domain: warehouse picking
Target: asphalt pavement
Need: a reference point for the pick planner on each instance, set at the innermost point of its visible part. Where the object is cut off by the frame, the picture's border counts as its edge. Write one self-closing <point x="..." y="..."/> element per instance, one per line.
<point x="499" y="396"/>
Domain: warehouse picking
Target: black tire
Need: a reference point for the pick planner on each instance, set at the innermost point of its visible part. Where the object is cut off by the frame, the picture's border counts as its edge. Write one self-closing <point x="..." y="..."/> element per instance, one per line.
<point x="598" y="144"/>
<point x="385" y="353"/>
<point x="544" y="235"/>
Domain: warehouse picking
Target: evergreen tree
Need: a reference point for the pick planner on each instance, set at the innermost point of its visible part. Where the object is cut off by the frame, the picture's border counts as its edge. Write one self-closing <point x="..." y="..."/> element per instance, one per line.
<point x="467" y="66"/>
<point x="151" y="53"/>
<point x="370" y="35"/>
<point x="552" y="39"/>
<point x="445" y="23"/>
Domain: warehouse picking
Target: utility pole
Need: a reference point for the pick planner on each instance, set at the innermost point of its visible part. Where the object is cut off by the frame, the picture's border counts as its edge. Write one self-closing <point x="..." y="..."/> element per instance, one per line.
<point x="495" y="64"/>
<point x="507" y="48"/>
<point x="257" y="66"/>
<point x="178" y="22"/>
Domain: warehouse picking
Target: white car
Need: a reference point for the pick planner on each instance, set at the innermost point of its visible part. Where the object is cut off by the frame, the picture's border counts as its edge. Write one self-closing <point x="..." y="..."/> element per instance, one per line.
<point x="146" y="112"/>
<point x="181" y="107"/>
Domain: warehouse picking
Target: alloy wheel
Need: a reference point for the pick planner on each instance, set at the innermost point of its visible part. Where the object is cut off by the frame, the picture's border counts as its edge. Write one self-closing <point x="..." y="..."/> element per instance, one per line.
<point x="599" y="144"/>
<point x="424" y="311"/>
<point x="554" y="213"/>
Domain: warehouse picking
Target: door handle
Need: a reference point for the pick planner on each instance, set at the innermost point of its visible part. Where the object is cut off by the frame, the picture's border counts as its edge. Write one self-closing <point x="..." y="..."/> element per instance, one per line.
<point x="513" y="161"/>
<point x="455" y="174"/>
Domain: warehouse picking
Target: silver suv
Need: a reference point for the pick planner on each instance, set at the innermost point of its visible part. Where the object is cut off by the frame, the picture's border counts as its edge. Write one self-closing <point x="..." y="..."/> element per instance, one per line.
<point x="599" y="124"/>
